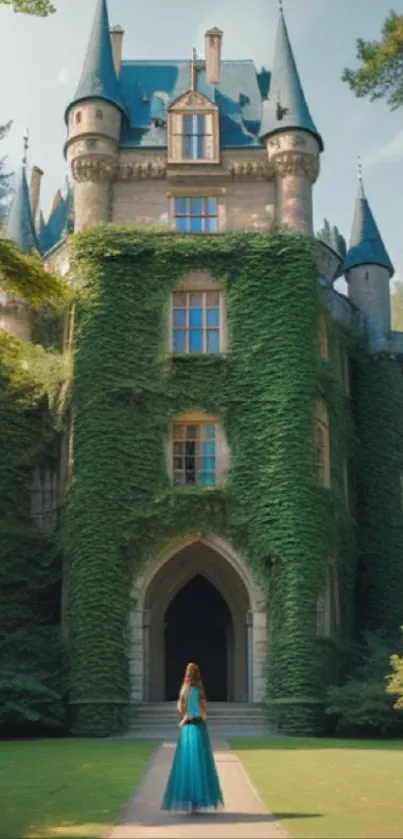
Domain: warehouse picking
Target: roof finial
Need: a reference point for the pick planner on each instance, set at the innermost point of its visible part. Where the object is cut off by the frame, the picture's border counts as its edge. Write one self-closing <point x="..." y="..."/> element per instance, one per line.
<point x="280" y="6"/>
<point x="359" y="168"/>
<point x="193" y="70"/>
<point x="25" y="140"/>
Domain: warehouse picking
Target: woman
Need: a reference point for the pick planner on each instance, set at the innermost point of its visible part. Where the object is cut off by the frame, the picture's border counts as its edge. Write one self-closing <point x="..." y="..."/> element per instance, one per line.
<point x="193" y="781"/>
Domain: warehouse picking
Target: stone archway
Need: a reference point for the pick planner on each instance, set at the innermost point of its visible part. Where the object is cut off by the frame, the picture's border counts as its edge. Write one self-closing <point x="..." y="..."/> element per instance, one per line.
<point x="213" y="560"/>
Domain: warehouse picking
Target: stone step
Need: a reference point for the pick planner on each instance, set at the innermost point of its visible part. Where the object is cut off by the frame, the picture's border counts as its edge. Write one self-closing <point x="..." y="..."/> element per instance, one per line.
<point x="225" y="719"/>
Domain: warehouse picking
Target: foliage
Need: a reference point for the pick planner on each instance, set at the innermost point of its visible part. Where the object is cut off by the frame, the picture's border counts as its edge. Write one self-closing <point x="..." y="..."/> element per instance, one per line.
<point x="395" y="680"/>
<point x="4" y="177"/>
<point x="378" y="409"/>
<point x="381" y="73"/>
<point x="397" y="307"/>
<point x="333" y="238"/>
<point x="126" y="390"/>
<point x="30" y="566"/>
<point x="362" y="704"/>
<point x="26" y="277"/>
<point x="40" y="8"/>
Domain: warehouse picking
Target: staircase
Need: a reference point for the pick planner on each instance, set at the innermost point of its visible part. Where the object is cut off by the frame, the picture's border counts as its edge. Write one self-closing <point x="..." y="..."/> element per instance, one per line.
<point x="225" y="719"/>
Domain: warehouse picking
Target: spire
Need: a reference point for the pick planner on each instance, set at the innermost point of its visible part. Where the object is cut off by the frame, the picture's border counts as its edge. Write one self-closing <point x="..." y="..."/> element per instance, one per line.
<point x="98" y="78"/>
<point x="286" y="107"/>
<point x="366" y="246"/>
<point x="20" y="226"/>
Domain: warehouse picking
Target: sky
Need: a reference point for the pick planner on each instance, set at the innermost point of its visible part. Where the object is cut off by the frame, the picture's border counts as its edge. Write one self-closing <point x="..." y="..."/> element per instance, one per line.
<point x="41" y="60"/>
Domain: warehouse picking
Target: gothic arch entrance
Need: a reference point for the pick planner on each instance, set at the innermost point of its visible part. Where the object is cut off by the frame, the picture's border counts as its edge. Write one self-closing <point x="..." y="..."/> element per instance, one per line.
<point x="198" y="602"/>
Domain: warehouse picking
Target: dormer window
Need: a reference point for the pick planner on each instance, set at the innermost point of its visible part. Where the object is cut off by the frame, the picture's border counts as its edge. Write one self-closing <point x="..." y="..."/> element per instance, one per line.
<point x="193" y="130"/>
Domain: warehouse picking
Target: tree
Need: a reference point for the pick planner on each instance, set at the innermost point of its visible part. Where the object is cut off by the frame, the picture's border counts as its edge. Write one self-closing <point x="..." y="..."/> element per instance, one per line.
<point x="40" y="8"/>
<point x="397" y="307"/>
<point x="4" y="178"/>
<point x="395" y="680"/>
<point x="381" y="73"/>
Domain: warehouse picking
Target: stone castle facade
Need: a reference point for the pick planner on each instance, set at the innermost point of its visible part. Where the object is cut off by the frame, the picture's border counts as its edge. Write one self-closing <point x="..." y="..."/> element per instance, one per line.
<point x="202" y="146"/>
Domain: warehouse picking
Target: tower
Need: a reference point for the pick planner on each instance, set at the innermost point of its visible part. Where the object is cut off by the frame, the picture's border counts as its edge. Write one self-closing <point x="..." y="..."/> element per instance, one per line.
<point x="15" y="315"/>
<point x="367" y="268"/>
<point x="93" y="120"/>
<point x="292" y="139"/>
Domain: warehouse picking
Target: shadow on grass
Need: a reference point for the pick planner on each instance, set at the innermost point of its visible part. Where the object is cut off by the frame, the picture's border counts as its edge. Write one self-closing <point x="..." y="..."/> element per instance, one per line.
<point x="221" y="817"/>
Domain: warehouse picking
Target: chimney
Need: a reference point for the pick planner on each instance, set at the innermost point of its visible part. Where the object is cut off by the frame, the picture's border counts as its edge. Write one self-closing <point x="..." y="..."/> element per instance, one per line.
<point x="116" y="35"/>
<point x="213" y="41"/>
<point x="34" y="191"/>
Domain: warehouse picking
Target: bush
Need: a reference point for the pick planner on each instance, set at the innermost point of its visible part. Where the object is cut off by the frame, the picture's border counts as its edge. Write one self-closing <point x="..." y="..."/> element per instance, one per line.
<point x="362" y="706"/>
<point x="31" y="681"/>
<point x="395" y="680"/>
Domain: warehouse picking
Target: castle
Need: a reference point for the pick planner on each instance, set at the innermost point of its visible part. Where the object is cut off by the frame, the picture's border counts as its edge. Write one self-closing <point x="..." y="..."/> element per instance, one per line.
<point x="210" y="146"/>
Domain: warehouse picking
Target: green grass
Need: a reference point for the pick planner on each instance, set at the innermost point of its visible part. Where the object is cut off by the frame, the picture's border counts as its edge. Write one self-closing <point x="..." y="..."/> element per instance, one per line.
<point x="54" y="789"/>
<point x="341" y="789"/>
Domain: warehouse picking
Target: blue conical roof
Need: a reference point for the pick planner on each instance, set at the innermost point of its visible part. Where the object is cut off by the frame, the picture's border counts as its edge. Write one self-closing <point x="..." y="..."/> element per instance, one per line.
<point x="98" y="78"/>
<point x="20" y="227"/>
<point x="286" y="107"/>
<point x="366" y="246"/>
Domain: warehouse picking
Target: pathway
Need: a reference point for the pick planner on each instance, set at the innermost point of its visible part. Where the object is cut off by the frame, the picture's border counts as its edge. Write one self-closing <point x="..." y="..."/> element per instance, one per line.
<point x="244" y="817"/>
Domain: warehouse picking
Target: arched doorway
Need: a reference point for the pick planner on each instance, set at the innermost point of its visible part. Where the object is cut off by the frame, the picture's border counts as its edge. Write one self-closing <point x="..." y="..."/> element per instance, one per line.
<point x="198" y="627"/>
<point x="158" y="598"/>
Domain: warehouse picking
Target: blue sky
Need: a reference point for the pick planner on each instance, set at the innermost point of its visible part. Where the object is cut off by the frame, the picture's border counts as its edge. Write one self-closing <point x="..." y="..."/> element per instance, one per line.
<point x="40" y="62"/>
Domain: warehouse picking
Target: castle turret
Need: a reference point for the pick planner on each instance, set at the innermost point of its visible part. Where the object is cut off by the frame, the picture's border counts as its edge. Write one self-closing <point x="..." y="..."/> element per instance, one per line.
<point x="15" y="315"/>
<point x="292" y="139"/>
<point x="93" y="121"/>
<point x="367" y="268"/>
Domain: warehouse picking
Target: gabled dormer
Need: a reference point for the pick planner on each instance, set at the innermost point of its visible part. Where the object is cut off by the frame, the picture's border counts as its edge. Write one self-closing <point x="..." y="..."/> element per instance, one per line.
<point x="193" y="130"/>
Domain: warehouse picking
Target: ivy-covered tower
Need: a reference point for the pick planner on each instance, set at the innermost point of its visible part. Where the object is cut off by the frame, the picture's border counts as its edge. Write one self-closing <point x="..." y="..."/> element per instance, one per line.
<point x="94" y="121"/>
<point x="292" y="140"/>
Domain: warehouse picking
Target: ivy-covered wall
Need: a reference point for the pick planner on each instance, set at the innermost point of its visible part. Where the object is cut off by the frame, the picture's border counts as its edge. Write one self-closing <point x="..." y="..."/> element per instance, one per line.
<point x="30" y="561"/>
<point x="127" y="389"/>
<point x="378" y="400"/>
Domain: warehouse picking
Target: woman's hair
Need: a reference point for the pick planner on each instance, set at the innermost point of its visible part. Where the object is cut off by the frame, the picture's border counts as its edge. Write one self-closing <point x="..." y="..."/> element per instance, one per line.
<point x="192" y="679"/>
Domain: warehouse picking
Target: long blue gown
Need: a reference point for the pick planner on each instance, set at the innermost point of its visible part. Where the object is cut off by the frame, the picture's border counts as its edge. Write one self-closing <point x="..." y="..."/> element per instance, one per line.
<point x="193" y="782"/>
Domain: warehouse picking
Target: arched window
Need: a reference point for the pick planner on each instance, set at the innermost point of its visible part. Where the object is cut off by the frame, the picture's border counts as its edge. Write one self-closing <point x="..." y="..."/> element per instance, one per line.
<point x="197" y="452"/>
<point x="197" y="316"/>
<point x="322" y="444"/>
<point x="44" y="497"/>
<point x="328" y="605"/>
<point x="77" y="117"/>
<point x="323" y="341"/>
<point x="98" y="113"/>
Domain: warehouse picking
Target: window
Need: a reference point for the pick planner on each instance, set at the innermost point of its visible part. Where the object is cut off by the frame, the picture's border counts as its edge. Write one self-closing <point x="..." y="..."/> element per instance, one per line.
<point x="322" y="447"/>
<point x="197" y="137"/>
<point x="194" y="453"/>
<point x="328" y="607"/>
<point x="77" y="117"/>
<point x="44" y="497"/>
<point x="98" y="113"/>
<point x="344" y="366"/>
<point x="196" y="322"/>
<point x="323" y="343"/>
<point x="195" y="215"/>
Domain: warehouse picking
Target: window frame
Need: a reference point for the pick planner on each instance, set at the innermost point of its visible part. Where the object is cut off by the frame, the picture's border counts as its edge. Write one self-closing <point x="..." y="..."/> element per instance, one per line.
<point x="199" y="418"/>
<point x="322" y="425"/>
<point x="197" y="281"/>
<point x="204" y="215"/>
<point x="193" y="105"/>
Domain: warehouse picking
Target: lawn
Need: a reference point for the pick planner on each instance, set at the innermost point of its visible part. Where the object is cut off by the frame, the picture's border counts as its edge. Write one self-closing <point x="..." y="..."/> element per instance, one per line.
<point x="339" y="789"/>
<point x="67" y="788"/>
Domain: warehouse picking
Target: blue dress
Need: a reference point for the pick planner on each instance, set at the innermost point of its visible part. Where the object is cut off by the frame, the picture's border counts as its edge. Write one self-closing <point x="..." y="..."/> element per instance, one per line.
<point x="193" y="780"/>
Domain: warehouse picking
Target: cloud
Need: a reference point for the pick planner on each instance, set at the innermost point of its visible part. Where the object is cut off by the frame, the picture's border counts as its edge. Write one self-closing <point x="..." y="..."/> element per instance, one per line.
<point x="388" y="153"/>
<point x="62" y="76"/>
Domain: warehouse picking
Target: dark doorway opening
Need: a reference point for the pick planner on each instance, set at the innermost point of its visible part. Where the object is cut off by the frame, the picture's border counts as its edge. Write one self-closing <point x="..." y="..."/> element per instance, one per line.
<point x="197" y="628"/>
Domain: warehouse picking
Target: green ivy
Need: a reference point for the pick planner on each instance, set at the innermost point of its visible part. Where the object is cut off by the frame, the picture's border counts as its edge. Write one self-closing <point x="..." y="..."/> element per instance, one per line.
<point x="121" y="508"/>
<point x="378" y="389"/>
